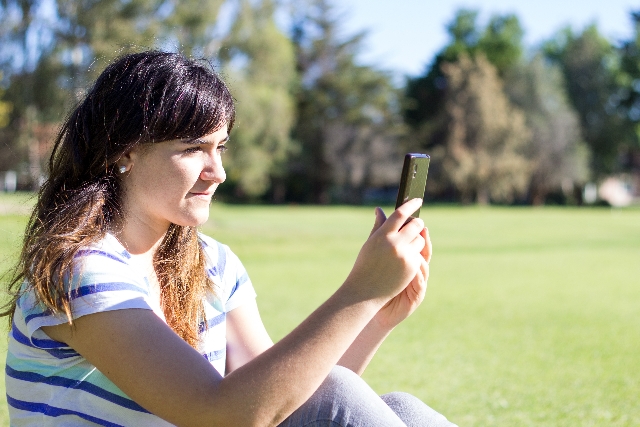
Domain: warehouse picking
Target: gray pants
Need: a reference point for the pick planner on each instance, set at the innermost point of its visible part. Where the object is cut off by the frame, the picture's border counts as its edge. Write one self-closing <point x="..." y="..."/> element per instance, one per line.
<point x="346" y="400"/>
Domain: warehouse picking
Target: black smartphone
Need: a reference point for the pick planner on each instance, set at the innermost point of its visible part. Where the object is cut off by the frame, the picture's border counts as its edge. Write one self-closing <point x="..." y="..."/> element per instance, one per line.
<point x="413" y="179"/>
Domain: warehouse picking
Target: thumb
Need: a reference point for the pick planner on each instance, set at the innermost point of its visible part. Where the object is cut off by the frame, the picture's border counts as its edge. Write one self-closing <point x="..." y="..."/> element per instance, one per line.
<point x="380" y="219"/>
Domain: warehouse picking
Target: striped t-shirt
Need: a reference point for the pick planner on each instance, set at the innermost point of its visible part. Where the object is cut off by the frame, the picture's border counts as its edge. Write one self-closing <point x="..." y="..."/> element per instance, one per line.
<point x="49" y="384"/>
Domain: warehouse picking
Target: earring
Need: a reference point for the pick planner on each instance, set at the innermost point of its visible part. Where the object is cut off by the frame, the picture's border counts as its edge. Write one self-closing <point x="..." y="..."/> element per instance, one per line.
<point x="122" y="169"/>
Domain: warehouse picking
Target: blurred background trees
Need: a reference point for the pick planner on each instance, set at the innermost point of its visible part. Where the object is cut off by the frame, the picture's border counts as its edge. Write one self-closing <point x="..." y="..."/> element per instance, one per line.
<point x="503" y="122"/>
<point x="347" y="113"/>
<point x="590" y="65"/>
<point x="259" y="66"/>
<point x="486" y="138"/>
<point x="557" y="156"/>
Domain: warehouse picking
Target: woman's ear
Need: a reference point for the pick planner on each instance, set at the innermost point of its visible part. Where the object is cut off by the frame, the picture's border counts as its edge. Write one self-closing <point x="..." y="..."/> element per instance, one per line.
<point x="125" y="163"/>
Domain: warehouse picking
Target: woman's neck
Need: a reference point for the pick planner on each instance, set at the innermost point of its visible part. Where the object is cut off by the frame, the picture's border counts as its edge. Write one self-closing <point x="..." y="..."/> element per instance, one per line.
<point x="138" y="238"/>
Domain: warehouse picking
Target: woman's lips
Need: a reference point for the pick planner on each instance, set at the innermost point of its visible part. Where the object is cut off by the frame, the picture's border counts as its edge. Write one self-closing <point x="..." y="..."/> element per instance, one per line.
<point x="203" y="195"/>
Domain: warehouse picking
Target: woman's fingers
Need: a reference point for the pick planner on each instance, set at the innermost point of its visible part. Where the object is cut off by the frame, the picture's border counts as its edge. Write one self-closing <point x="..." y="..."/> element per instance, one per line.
<point x="417" y="245"/>
<point x="380" y="219"/>
<point x="393" y="255"/>
<point x="424" y="269"/>
<point x="427" y="250"/>
<point x="399" y="217"/>
<point x="412" y="229"/>
<point x="420" y="282"/>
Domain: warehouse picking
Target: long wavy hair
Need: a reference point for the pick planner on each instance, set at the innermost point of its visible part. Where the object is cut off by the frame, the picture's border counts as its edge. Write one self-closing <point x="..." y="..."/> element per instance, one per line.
<point x="142" y="98"/>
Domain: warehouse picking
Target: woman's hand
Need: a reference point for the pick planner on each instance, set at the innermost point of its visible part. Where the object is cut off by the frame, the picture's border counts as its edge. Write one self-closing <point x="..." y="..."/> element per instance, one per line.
<point x="402" y="305"/>
<point x="406" y="299"/>
<point x="392" y="255"/>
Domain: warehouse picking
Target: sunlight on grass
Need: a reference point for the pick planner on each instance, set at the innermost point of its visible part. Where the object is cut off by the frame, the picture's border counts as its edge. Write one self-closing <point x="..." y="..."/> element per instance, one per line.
<point x="530" y="317"/>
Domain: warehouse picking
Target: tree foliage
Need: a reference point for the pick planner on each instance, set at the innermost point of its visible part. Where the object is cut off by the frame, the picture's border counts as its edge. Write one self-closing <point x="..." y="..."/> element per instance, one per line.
<point x="557" y="155"/>
<point x="589" y="63"/>
<point x="259" y="64"/>
<point x="5" y="108"/>
<point x="347" y="113"/>
<point x="499" y="42"/>
<point x="487" y="135"/>
<point x="315" y="124"/>
<point x="191" y="25"/>
<point x="629" y="95"/>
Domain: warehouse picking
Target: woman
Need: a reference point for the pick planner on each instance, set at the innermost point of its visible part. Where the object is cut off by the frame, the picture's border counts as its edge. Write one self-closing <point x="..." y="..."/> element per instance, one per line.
<point x="118" y="297"/>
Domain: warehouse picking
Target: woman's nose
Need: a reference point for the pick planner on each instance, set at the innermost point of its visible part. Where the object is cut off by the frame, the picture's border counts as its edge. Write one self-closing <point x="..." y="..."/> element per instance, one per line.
<point x="213" y="169"/>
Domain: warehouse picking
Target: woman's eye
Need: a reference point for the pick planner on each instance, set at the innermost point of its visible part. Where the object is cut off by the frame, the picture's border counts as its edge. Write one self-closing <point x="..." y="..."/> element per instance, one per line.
<point x="193" y="149"/>
<point x="222" y="148"/>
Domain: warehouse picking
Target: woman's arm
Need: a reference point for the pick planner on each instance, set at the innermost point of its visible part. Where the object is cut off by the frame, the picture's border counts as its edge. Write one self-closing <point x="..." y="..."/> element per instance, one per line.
<point x="157" y="369"/>
<point x="246" y="335"/>
<point x="162" y="373"/>
<point x="360" y="353"/>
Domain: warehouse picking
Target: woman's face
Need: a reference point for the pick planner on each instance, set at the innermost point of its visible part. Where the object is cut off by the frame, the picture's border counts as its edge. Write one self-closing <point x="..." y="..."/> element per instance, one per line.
<point x="173" y="181"/>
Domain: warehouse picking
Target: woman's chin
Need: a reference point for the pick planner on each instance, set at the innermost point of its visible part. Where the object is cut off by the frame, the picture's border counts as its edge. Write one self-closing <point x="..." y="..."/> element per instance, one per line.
<point x="196" y="219"/>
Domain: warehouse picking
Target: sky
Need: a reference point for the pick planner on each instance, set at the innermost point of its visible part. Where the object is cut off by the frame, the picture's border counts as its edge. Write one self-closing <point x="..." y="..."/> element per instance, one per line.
<point x="404" y="35"/>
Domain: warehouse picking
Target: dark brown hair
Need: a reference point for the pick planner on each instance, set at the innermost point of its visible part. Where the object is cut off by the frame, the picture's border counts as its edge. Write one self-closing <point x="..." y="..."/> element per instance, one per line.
<point x="141" y="98"/>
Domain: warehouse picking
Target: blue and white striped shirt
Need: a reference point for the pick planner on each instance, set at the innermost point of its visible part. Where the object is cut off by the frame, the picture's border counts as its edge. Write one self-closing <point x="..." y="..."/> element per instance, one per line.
<point x="49" y="384"/>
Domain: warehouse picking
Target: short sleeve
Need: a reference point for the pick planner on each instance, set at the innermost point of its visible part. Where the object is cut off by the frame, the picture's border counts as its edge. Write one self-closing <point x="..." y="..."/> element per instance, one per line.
<point x="103" y="280"/>
<point x="242" y="288"/>
<point x="234" y="287"/>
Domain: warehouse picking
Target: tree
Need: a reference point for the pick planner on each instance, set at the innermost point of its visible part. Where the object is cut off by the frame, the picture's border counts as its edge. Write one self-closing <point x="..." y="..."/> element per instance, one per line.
<point x="501" y="43"/>
<point x="5" y="114"/>
<point x="5" y="108"/>
<point x="348" y="121"/>
<point x="86" y="40"/>
<point x="259" y="63"/>
<point x="629" y="95"/>
<point x="487" y="135"/>
<point x="559" y="157"/>
<point x="192" y="25"/>
<point x="49" y="61"/>
<point x="84" y="36"/>
<point x="424" y="105"/>
<point x="589" y="63"/>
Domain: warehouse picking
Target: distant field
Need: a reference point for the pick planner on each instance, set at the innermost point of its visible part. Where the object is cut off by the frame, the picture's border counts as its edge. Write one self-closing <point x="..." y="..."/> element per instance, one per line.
<point x="531" y="317"/>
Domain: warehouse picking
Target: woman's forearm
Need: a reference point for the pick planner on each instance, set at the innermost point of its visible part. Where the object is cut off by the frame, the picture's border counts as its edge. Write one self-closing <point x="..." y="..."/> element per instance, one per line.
<point x="360" y="353"/>
<point x="298" y="363"/>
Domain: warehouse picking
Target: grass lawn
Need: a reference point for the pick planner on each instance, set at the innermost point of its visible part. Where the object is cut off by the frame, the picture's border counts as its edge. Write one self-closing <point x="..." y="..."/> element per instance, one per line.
<point x="531" y="317"/>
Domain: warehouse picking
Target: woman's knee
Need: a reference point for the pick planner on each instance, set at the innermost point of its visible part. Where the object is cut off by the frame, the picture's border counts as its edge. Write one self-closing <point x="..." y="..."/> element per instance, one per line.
<point x="344" y="399"/>
<point x="344" y="382"/>
<point x="413" y="411"/>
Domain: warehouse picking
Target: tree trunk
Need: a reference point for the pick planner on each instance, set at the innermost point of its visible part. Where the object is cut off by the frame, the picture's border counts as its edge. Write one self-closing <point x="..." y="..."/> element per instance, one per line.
<point x="482" y="196"/>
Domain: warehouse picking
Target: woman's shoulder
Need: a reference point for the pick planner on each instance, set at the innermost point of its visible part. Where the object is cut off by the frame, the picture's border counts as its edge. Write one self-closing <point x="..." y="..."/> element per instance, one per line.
<point x="107" y="257"/>
<point x="108" y="250"/>
<point x="102" y="279"/>
<point x="103" y="269"/>
<point x="220" y="258"/>
<point x="226" y="270"/>
<point x="214" y="249"/>
<point x="207" y="241"/>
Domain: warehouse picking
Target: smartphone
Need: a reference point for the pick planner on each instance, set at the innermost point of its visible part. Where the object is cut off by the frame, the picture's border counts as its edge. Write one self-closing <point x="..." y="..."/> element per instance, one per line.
<point x="413" y="179"/>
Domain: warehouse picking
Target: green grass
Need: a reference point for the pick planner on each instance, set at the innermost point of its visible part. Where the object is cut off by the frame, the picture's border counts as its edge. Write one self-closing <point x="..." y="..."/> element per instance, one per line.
<point x="531" y="317"/>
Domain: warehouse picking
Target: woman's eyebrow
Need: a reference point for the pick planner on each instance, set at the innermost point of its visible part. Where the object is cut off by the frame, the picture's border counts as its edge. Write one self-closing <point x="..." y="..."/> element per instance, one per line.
<point x="198" y="141"/>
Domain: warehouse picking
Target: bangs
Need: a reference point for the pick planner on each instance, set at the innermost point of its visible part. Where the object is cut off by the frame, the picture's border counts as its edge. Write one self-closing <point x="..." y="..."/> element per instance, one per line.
<point x="180" y="98"/>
